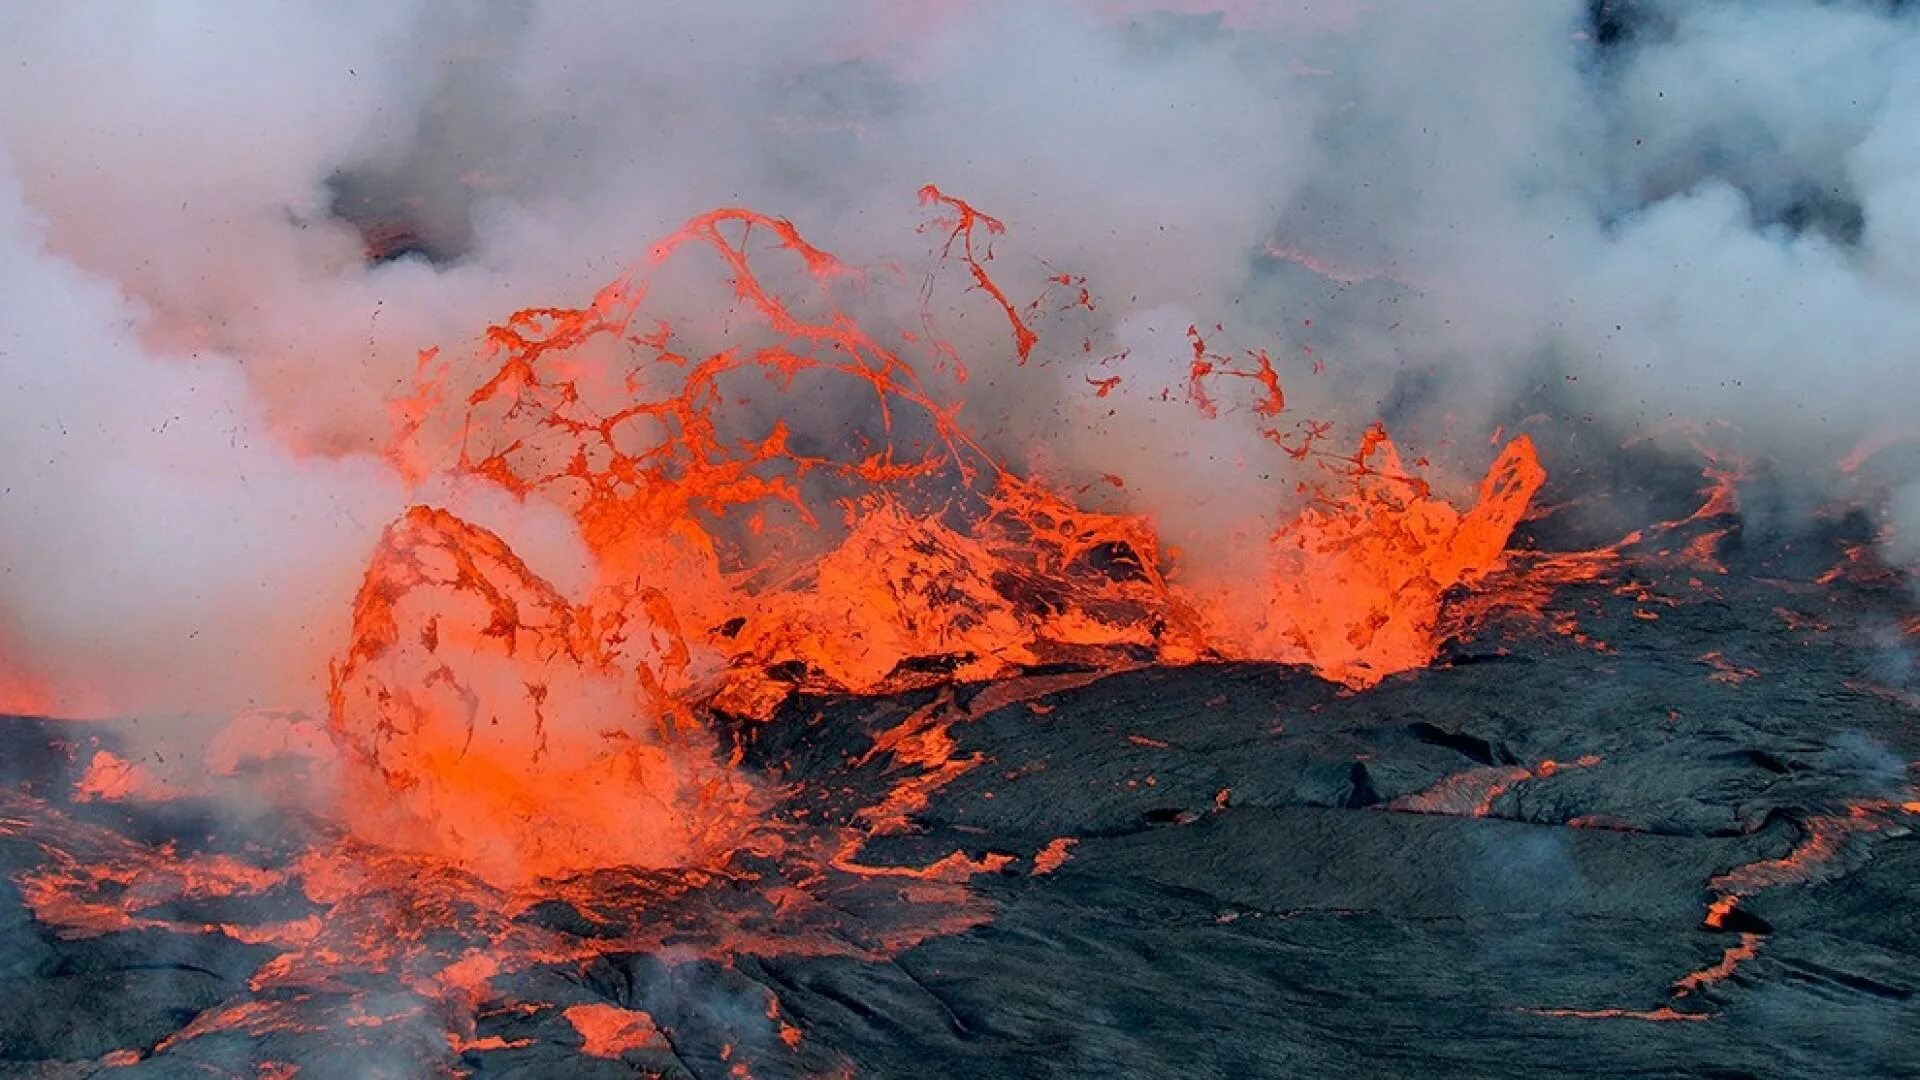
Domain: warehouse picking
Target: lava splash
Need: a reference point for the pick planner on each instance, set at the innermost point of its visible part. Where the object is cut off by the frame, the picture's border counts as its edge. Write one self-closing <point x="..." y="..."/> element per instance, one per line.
<point x="492" y="720"/>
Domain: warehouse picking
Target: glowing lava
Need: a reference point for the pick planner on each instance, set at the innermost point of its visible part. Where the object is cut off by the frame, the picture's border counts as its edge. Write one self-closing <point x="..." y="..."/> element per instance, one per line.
<point x="492" y="720"/>
<point x="496" y="723"/>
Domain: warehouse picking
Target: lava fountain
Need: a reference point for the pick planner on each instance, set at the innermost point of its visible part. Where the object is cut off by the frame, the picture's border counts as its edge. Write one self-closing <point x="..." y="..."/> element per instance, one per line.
<point x="489" y="719"/>
<point x="1102" y="613"/>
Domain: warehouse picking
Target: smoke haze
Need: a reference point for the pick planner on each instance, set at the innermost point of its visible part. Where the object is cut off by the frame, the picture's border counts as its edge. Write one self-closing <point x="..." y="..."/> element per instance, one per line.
<point x="1700" y="211"/>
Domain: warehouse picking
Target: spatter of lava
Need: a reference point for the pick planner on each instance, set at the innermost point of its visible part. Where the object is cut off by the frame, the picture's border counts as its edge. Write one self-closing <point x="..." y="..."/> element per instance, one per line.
<point x="491" y="720"/>
<point x="521" y="774"/>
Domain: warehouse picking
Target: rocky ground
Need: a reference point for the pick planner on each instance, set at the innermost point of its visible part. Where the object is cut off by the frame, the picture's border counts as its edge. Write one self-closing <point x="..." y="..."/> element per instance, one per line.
<point x="1671" y="837"/>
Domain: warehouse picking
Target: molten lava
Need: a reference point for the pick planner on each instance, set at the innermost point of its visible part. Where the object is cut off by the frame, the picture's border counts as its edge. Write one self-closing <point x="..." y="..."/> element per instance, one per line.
<point x="494" y="721"/>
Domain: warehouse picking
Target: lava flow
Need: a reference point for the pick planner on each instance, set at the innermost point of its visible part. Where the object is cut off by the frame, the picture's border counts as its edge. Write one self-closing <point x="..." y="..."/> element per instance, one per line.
<point x="757" y="711"/>
<point x="491" y="720"/>
<point x="1106" y="538"/>
<point x="568" y="763"/>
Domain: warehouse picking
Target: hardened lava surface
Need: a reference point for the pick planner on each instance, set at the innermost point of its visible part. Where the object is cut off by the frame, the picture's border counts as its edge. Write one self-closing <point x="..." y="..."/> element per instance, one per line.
<point x="1659" y="825"/>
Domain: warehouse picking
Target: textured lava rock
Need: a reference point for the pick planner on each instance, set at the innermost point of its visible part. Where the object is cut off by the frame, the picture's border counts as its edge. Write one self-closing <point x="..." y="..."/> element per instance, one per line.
<point x="1211" y="871"/>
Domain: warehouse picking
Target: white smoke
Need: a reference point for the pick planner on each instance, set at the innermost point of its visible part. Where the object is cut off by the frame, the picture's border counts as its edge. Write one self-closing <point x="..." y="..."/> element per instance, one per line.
<point x="1716" y="218"/>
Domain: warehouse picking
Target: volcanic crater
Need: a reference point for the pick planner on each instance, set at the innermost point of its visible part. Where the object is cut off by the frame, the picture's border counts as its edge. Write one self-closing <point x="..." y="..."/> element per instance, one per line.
<point x="1659" y="824"/>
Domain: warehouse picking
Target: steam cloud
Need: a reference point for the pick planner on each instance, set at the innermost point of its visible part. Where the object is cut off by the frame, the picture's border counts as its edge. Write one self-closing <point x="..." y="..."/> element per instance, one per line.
<point x="1706" y="210"/>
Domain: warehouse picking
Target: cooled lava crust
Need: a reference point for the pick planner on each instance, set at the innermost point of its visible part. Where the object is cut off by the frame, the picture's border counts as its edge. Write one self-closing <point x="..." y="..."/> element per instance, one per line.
<point x="1672" y="838"/>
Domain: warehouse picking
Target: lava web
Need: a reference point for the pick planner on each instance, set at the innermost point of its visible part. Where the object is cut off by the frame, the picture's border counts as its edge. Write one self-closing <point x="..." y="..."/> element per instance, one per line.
<point x="505" y="737"/>
<point x="473" y="692"/>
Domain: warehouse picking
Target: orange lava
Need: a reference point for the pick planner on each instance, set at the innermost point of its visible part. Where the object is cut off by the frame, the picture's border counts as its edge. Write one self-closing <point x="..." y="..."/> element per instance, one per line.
<point x="492" y="719"/>
<point x="1054" y="855"/>
<point x="960" y="225"/>
<point x="1747" y="948"/>
<point x="609" y="1031"/>
<point x="1355" y="583"/>
<point x="1726" y="671"/>
<point x="1356" y="579"/>
<point x="1800" y="621"/>
<point x="494" y="722"/>
<point x="1820" y="854"/>
<point x="1860" y="564"/>
<point x="1730" y="960"/>
<point x="1471" y="793"/>
<point x="96" y="882"/>
<point x="109" y="778"/>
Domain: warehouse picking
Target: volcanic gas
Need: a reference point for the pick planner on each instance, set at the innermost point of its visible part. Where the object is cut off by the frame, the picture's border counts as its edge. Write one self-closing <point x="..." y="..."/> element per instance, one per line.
<point x="1097" y="541"/>
<point x="491" y="720"/>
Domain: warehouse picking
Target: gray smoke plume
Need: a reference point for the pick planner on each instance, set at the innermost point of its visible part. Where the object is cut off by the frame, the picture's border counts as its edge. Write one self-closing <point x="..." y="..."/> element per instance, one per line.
<point x="1706" y="211"/>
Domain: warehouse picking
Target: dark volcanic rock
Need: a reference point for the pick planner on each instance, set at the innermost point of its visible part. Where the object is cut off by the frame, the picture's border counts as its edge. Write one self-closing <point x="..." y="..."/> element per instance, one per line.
<point x="86" y="998"/>
<point x="1678" y="846"/>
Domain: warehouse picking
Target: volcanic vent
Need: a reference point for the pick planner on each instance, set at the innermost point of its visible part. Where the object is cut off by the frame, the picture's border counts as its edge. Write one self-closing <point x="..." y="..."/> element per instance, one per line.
<point x="844" y="644"/>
